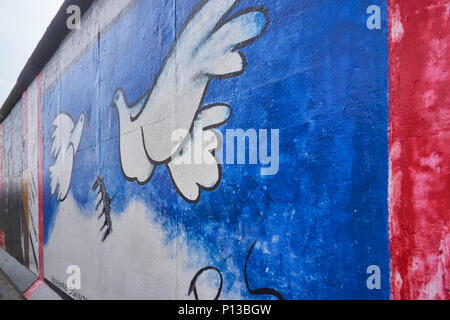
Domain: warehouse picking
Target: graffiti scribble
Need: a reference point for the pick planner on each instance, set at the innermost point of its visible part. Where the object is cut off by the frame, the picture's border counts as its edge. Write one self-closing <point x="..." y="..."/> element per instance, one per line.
<point x="193" y="285"/>
<point x="255" y="292"/>
<point x="104" y="204"/>
<point x="262" y="291"/>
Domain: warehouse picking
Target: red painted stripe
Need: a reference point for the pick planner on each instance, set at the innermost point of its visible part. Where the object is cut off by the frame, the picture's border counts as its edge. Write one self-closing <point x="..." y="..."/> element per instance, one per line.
<point x="40" y="182"/>
<point x="419" y="197"/>
<point x="33" y="289"/>
<point x="25" y="117"/>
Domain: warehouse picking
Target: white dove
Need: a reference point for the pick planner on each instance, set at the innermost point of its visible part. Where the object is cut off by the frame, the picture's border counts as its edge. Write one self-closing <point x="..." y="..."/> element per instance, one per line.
<point x="66" y="140"/>
<point x="206" y="48"/>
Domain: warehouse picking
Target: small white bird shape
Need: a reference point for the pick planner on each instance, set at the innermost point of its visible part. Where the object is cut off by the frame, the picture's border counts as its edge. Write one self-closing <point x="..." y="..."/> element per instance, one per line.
<point x="207" y="48"/>
<point x="65" y="142"/>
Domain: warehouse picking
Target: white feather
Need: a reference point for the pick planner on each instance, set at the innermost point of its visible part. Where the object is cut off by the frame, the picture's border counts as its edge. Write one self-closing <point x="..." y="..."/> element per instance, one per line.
<point x="66" y="140"/>
<point x="195" y="166"/>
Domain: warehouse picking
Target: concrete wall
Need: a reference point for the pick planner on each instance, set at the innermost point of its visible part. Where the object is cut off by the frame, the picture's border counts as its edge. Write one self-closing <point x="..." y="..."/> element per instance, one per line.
<point x="301" y="209"/>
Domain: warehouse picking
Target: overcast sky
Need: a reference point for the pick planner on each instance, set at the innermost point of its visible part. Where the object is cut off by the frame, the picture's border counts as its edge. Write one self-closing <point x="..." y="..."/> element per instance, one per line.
<point x="22" y="25"/>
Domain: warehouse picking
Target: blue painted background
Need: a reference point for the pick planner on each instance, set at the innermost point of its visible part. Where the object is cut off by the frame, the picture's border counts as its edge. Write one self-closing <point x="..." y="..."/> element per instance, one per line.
<point x="317" y="74"/>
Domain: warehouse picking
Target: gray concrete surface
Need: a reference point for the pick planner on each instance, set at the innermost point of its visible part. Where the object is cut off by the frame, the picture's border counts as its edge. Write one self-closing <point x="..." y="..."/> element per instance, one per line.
<point x="7" y="289"/>
<point x="15" y="279"/>
<point x="16" y="272"/>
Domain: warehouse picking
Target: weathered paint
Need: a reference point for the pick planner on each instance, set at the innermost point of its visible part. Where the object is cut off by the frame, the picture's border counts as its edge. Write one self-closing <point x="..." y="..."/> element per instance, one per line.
<point x="40" y="169"/>
<point x="419" y="152"/>
<point x="308" y="218"/>
<point x="315" y="79"/>
<point x="18" y="218"/>
<point x="13" y="218"/>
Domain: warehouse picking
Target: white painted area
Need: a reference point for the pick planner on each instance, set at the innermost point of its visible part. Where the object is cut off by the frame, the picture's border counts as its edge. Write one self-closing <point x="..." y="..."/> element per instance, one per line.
<point x="66" y="140"/>
<point x="137" y="261"/>
<point x="397" y="30"/>
<point x="195" y="164"/>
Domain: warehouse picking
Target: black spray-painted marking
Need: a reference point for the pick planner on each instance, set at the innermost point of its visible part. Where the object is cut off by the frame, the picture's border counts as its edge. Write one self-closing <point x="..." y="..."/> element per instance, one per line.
<point x="255" y="292"/>
<point x="193" y="285"/>
<point x="33" y="251"/>
<point x="262" y="291"/>
<point x="106" y="200"/>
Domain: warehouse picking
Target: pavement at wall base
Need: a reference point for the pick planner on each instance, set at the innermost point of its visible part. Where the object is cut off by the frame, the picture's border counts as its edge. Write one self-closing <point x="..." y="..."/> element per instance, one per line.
<point x="7" y="289"/>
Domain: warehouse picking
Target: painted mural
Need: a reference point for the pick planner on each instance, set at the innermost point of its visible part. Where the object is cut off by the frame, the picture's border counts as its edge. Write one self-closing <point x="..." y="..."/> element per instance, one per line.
<point x="153" y="95"/>
<point x="13" y="220"/>
<point x="224" y="149"/>
<point x="19" y="230"/>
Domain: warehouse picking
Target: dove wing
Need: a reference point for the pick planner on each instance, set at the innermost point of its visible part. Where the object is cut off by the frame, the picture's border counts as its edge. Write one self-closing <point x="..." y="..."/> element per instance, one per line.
<point x="61" y="135"/>
<point x="210" y="41"/>
<point x="66" y="173"/>
<point x="63" y="152"/>
<point x="219" y="54"/>
<point x="206" y="48"/>
<point x="195" y="167"/>
<point x="61" y="173"/>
